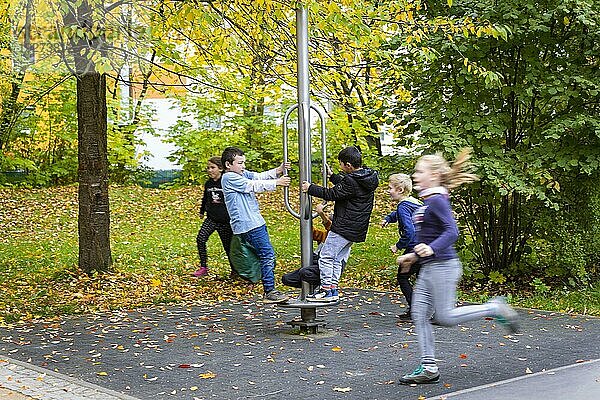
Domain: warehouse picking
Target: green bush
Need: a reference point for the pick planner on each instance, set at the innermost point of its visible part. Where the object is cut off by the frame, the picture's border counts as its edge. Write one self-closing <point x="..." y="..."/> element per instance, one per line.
<point x="566" y="244"/>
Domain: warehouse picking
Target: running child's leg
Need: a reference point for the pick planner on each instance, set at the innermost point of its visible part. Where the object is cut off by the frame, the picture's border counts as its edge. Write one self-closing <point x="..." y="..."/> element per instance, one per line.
<point x="421" y="311"/>
<point x="445" y="280"/>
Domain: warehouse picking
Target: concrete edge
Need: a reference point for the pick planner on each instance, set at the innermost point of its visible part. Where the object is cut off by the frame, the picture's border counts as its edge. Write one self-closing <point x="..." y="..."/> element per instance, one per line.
<point x="68" y="380"/>
<point x="516" y="379"/>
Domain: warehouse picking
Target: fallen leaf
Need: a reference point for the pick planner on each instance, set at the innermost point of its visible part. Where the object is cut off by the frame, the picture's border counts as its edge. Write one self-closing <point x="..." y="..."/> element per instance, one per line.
<point x="336" y="348"/>
<point x="101" y="373"/>
<point x="208" y="375"/>
<point x="340" y="389"/>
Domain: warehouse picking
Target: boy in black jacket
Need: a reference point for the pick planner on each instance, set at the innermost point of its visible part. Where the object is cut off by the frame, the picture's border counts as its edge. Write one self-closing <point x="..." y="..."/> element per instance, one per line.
<point x="353" y="195"/>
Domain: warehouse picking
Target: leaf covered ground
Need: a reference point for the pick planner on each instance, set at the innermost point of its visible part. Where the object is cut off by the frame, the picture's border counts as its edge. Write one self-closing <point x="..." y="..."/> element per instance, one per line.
<point x="154" y="251"/>
<point x="153" y="245"/>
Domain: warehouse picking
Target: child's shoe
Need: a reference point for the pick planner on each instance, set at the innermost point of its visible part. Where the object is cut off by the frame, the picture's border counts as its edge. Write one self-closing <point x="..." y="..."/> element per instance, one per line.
<point x="325" y="295"/>
<point x="202" y="271"/>
<point x="406" y="317"/>
<point x="506" y="315"/>
<point x="275" y="296"/>
<point x="335" y="293"/>
<point x="423" y="374"/>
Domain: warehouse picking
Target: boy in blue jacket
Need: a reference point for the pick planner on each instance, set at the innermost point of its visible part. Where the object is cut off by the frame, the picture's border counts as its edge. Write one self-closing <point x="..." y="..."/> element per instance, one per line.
<point x="399" y="189"/>
<point x="353" y="195"/>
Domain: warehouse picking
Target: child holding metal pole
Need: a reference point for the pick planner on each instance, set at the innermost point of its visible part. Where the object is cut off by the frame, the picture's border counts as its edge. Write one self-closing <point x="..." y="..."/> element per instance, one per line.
<point x="239" y="187"/>
<point x="435" y="291"/>
<point x="353" y="194"/>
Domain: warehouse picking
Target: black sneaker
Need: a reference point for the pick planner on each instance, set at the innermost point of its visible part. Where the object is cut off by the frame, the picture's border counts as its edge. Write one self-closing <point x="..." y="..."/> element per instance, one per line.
<point x="275" y="296"/>
<point x="406" y="317"/>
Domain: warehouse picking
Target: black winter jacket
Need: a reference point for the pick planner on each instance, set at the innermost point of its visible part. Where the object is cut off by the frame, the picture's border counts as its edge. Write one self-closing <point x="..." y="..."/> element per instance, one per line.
<point x="353" y="195"/>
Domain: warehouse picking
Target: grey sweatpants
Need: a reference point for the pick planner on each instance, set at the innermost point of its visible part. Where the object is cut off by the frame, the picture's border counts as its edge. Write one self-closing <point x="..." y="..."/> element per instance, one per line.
<point x="335" y="250"/>
<point x="435" y="294"/>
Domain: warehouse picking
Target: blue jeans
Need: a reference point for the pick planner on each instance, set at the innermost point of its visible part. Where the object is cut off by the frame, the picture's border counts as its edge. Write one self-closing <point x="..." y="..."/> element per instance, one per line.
<point x="259" y="239"/>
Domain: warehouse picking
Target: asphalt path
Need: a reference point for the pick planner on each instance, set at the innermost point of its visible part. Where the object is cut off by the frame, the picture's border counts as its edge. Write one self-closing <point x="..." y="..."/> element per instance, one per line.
<point x="245" y="350"/>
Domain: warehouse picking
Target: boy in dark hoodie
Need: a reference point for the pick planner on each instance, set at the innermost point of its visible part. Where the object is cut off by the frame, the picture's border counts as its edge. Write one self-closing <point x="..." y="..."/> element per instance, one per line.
<point x="353" y="195"/>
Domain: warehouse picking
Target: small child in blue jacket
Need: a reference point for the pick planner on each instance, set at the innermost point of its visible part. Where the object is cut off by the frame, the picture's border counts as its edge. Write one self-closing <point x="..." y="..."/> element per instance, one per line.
<point x="399" y="189"/>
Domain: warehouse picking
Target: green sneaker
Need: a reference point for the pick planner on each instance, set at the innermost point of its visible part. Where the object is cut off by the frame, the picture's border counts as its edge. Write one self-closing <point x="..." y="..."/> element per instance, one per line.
<point x="506" y="315"/>
<point x="423" y="374"/>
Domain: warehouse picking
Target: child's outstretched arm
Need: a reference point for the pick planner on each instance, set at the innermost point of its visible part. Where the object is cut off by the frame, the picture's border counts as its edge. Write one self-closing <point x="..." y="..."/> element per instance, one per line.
<point x="253" y="182"/>
<point x="389" y="219"/>
<point x="342" y="190"/>
<point x="320" y="208"/>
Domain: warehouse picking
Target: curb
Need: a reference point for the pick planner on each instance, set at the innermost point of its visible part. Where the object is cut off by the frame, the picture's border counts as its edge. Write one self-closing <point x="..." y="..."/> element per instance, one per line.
<point x="516" y="379"/>
<point x="44" y="384"/>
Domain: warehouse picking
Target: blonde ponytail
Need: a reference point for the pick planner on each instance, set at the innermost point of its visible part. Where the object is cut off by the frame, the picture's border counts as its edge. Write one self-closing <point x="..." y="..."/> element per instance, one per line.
<point x="457" y="174"/>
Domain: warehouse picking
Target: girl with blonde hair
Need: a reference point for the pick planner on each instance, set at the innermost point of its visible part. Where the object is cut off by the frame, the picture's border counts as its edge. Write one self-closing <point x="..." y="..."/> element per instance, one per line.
<point x="435" y="290"/>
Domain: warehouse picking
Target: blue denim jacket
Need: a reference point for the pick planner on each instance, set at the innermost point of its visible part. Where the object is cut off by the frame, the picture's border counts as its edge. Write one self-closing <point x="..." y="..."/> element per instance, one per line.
<point x="240" y="198"/>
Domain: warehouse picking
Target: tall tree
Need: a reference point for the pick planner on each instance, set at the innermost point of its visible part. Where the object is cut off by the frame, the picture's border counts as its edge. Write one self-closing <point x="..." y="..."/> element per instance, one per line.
<point x="22" y="51"/>
<point x="527" y="101"/>
<point x="94" y="211"/>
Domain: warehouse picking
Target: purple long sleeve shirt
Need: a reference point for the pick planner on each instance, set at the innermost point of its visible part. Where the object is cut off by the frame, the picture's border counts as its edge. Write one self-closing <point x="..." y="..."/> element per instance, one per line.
<point x="436" y="226"/>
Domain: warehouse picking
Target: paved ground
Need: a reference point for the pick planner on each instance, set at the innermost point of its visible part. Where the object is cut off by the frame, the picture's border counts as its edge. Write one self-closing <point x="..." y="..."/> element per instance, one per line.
<point x="6" y="394"/>
<point x="246" y="350"/>
<point x="574" y="382"/>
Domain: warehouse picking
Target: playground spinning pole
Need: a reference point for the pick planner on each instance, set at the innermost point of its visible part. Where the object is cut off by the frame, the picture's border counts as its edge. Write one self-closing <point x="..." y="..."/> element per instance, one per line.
<point x="308" y="322"/>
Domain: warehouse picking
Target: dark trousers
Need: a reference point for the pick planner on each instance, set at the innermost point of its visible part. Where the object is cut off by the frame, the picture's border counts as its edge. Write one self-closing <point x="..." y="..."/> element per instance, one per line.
<point x="308" y="274"/>
<point x="404" y="282"/>
<point x="208" y="227"/>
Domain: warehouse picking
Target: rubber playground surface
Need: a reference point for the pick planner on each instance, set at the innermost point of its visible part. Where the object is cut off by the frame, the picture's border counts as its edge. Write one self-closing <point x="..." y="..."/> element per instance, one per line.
<point x="246" y="350"/>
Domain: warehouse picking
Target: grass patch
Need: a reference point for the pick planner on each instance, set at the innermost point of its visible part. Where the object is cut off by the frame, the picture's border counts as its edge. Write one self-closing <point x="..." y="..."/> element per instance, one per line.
<point x="153" y="246"/>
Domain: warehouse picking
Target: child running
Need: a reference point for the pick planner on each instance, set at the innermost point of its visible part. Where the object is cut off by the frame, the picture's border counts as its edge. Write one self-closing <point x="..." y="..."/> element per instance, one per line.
<point x="353" y="195"/>
<point x="239" y="187"/>
<point x="399" y="189"/>
<point x="435" y="290"/>
<point x="217" y="218"/>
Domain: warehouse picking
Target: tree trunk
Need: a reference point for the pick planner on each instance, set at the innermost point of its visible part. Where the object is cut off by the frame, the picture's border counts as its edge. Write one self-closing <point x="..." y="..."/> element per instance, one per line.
<point x="94" y="212"/>
<point x="9" y="112"/>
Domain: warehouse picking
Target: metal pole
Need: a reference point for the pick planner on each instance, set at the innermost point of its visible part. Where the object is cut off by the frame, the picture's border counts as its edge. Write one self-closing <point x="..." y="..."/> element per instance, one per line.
<point x="304" y="134"/>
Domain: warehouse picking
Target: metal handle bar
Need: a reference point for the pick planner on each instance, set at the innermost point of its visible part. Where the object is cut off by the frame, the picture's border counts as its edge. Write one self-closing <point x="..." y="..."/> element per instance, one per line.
<point x="286" y="190"/>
